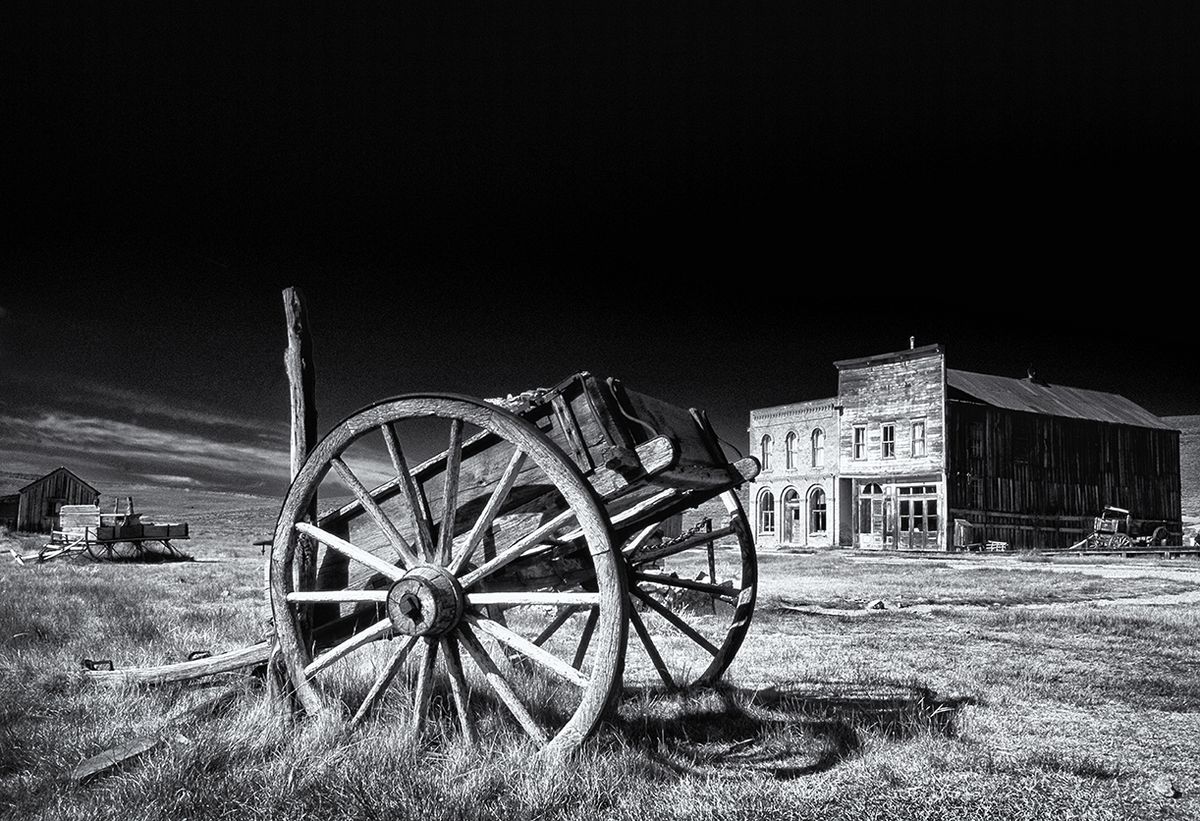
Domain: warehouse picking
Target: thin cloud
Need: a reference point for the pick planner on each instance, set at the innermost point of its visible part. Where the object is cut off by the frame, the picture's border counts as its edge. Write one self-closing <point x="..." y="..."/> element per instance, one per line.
<point x="168" y="479"/>
<point x="135" y="447"/>
<point x="104" y="395"/>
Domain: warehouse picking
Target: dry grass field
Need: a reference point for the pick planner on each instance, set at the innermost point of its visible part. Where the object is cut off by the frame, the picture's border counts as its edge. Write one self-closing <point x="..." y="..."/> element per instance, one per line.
<point x="991" y="688"/>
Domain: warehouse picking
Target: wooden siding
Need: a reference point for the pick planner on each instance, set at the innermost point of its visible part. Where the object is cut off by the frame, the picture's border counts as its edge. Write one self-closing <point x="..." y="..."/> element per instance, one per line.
<point x="39" y="501"/>
<point x="9" y="506"/>
<point x="898" y="393"/>
<point x="1036" y="481"/>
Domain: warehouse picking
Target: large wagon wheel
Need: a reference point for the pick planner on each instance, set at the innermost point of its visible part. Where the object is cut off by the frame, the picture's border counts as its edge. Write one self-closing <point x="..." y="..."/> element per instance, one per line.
<point x="692" y="596"/>
<point x="444" y="569"/>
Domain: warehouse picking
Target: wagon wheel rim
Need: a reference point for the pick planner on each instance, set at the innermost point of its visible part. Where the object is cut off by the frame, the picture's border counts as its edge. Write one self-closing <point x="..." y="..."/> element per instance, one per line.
<point x="705" y="619"/>
<point x="442" y="580"/>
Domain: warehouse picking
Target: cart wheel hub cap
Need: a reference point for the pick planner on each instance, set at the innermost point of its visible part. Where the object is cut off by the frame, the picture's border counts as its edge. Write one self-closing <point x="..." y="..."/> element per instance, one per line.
<point x="427" y="601"/>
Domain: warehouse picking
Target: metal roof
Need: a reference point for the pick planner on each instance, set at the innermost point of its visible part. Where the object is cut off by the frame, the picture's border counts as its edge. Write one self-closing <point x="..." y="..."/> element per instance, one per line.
<point x="1052" y="400"/>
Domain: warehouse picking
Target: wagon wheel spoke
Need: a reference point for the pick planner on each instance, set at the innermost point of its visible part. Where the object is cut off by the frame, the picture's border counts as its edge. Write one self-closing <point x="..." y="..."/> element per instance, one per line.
<point x="494" y="503"/>
<point x="500" y="685"/>
<point x="656" y="659"/>
<point x="458" y="687"/>
<point x="357" y="553"/>
<point x="414" y="494"/>
<point x="450" y="494"/>
<point x="337" y="596"/>
<point x="585" y="639"/>
<point x="527" y="648"/>
<point x="561" y="618"/>
<point x="376" y="631"/>
<point x="681" y="625"/>
<point x="385" y="678"/>
<point x="725" y="594"/>
<point x="517" y="549"/>
<point x="401" y="545"/>
<point x="424" y="687"/>
<point x="514" y="598"/>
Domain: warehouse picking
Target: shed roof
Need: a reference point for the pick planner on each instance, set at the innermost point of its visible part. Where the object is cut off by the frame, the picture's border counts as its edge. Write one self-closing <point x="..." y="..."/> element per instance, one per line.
<point x="11" y="483"/>
<point x="1052" y="400"/>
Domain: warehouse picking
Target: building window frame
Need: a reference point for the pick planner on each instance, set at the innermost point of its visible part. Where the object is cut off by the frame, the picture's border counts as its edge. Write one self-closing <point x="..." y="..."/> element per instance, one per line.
<point x="917" y="446"/>
<point x="765" y="451"/>
<point x="818" y="511"/>
<point x="859" y="443"/>
<point x="789" y="450"/>
<point x="888" y="441"/>
<point x="766" y="512"/>
<point x="817" y="445"/>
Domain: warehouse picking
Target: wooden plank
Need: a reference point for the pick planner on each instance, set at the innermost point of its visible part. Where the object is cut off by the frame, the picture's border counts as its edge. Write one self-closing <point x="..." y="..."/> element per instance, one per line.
<point x="228" y="662"/>
<point x="113" y="757"/>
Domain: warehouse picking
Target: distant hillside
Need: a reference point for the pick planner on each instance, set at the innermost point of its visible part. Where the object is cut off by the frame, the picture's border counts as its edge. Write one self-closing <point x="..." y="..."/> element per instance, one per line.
<point x="1189" y="458"/>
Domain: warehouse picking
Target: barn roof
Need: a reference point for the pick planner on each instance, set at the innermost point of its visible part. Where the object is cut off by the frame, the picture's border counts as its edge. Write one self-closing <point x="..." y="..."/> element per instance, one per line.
<point x="11" y="483"/>
<point x="1052" y="400"/>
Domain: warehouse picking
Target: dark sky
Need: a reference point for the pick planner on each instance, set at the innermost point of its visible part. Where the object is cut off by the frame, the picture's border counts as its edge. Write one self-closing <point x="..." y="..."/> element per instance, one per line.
<point x="711" y="201"/>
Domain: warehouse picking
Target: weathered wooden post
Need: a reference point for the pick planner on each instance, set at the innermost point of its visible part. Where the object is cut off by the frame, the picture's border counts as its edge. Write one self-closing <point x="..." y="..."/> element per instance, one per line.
<point x="298" y="362"/>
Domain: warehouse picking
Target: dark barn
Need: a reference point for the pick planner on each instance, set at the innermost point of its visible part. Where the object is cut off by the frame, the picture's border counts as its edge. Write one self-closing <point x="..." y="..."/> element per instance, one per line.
<point x="33" y="506"/>
<point x="1031" y="463"/>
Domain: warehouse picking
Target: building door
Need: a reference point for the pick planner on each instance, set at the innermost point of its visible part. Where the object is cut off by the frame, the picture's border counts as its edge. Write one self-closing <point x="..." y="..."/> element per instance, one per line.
<point x="870" y="516"/>
<point x="919" y="523"/>
<point x="791" y="517"/>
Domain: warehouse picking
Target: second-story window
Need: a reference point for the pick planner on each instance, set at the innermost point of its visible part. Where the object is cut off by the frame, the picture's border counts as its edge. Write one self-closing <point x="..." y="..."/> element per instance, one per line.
<point x="860" y="442"/>
<point x="766" y="453"/>
<point x="889" y="441"/>
<point x="818" y="448"/>
<point x="789" y="453"/>
<point x="918" y="438"/>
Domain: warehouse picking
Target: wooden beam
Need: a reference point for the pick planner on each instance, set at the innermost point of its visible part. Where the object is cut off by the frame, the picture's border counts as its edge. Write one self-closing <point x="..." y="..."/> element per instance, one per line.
<point x="186" y="670"/>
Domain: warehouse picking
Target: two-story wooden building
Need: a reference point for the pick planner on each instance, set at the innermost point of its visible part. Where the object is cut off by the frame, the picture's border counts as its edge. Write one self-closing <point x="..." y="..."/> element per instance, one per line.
<point x="909" y="453"/>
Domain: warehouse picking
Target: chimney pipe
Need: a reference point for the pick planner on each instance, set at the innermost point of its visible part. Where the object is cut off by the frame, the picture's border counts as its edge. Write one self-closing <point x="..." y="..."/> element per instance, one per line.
<point x="912" y="342"/>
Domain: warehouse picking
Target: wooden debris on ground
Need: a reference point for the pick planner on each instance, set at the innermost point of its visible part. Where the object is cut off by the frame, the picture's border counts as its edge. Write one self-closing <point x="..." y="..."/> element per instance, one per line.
<point x="108" y="760"/>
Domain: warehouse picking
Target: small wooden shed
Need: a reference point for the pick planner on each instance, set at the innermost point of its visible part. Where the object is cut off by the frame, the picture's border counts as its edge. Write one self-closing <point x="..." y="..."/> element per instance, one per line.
<point x="34" y="506"/>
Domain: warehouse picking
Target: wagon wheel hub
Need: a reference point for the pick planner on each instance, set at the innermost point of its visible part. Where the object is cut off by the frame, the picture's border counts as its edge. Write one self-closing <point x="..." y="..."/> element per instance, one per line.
<point x="426" y="601"/>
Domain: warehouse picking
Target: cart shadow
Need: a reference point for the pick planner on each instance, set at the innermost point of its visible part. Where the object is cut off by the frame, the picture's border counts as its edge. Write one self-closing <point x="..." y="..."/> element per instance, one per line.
<point x="784" y="731"/>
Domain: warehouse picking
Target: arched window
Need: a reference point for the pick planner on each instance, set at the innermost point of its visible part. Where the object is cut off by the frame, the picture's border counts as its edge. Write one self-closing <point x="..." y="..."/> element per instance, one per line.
<point x="790" y="450"/>
<point x="766" y="512"/>
<point x="766" y="452"/>
<point x="818" y="448"/>
<point x="816" y="511"/>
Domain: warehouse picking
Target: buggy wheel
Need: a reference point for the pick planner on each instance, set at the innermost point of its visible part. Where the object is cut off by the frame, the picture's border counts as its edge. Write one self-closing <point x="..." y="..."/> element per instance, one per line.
<point x="416" y="573"/>
<point x="691" y="597"/>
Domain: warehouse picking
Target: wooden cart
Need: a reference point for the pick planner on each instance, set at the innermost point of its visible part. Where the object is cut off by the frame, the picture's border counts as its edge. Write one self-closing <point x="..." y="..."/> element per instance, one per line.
<point x="536" y="532"/>
<point x="83" y="529"/>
